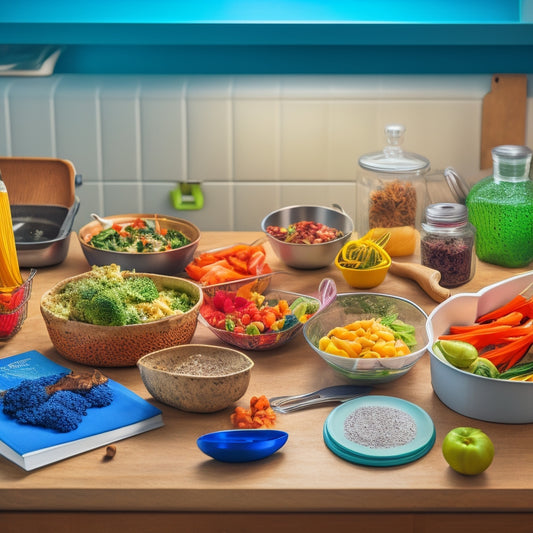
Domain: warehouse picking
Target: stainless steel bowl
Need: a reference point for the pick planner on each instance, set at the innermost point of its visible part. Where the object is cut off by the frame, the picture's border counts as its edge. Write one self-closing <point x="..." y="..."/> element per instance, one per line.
<point x="309" y="256"/>
<point x="169" y="262"/>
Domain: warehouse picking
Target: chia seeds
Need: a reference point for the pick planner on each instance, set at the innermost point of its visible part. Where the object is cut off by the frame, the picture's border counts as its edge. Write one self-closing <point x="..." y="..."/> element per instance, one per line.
<point x="379" y="427"/>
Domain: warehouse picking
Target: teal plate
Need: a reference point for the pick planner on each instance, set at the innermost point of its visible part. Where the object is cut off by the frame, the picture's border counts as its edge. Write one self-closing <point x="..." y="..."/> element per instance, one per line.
<point x="354" y="452"/>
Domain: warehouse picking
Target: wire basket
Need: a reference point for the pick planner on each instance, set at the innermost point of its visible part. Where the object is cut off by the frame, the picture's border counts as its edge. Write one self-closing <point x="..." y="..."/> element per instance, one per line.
<point x="14" y="308"/>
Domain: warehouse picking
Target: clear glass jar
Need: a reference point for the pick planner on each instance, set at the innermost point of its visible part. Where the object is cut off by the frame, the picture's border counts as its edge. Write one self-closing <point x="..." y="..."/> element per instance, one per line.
<point x="501" y="209"/>
<point x="391" y="186"/>
<point x="447" y="243"/>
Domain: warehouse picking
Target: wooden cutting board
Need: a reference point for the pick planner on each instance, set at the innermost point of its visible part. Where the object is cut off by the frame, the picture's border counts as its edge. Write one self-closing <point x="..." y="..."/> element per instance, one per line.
<point x="504" y="115"/>
<point x="38" y="181"/>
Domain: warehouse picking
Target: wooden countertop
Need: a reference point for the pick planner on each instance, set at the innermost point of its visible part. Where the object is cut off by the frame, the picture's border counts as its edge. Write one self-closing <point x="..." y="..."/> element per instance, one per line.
<point x="163" y="471"/>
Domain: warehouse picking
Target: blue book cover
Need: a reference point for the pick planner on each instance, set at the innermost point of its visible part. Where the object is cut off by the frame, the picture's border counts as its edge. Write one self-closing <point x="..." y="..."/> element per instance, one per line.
<point x="34" y="446"/>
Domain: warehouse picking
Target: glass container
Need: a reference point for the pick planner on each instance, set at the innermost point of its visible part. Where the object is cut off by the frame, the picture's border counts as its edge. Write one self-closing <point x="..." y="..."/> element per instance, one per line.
<point x="391" y="186"/>
<point x="500" y="207"/>
<point x="447" y="243"/>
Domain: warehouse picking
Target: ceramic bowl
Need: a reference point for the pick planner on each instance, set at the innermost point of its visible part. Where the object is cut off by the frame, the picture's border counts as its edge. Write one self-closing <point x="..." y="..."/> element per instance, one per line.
<point x="242" y="445"/>
<point x="198" y="378"/>
<point x="308" y="256"/>
<point x="349" y="307"/>
<point x="265" y="341"/>
<point x="364" y="278"/>
<point x="120" y="346"/>
<point x="479" y="397"/>
<point x="168" y="262"/>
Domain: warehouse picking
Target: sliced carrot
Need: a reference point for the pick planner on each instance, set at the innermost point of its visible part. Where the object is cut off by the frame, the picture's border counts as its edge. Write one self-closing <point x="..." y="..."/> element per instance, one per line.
<point x="505" y="309"/>
<point x="511" y="319"/>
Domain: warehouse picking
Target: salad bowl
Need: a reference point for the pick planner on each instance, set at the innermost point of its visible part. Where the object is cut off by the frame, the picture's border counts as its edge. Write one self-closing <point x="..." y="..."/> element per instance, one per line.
<point x="269" y="339"/>
<point x="166" y="262"/>
<point x="349" y="307"/>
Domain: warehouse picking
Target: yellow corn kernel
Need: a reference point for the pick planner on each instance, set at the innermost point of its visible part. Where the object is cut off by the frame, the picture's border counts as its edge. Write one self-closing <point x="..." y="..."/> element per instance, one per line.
<point x="385" y="335"/>
<point x="352" y="349"/>
<point x="333" y="350"/>
<point x="370" y="354"/>
<point x="342" y="333"/>
<point x="401" y="348"/>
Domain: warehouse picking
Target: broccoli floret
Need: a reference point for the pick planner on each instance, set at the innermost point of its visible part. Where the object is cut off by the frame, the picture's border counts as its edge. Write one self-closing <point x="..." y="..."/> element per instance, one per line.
<point x="110" y="297"/>
<point x="140" y="289"/>
<point x="106" y="309"/>
<point x="107" y="239"/>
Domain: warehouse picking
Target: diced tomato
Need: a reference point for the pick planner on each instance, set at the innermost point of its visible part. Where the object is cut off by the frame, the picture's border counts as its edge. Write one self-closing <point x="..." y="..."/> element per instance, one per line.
<point x="138" y="223"/>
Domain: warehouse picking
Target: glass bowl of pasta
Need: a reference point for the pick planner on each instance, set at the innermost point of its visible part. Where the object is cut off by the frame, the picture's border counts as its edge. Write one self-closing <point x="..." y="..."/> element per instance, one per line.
<point x="369" y="338"/>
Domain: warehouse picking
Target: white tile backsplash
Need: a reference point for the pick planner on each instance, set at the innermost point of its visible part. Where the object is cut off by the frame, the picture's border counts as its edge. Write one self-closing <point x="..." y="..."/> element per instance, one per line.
<point x="255" y="143"/>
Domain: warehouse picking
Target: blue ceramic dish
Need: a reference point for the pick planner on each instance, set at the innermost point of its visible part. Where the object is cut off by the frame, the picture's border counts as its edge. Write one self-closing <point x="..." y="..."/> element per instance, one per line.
<point x="242" y="445"/>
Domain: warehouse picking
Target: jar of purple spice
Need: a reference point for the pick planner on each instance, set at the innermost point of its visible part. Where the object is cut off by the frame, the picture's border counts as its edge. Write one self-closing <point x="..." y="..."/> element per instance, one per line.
<point x="447" y="243"/>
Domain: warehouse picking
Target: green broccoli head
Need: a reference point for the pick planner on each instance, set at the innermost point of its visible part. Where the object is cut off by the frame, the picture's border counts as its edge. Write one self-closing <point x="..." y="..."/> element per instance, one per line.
<point x="106" y="308"/>
<point x="140" y="289"/>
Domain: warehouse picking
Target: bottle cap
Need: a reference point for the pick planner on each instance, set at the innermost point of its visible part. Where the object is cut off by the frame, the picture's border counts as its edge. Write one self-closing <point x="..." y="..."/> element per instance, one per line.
<point x="446" y="213"/>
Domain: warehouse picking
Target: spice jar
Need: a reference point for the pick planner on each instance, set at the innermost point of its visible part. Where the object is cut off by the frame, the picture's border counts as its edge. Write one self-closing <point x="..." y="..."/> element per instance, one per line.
<point x="391" y="186"/>
<point x="447" y="243"/>
<point x="501" y="209"/>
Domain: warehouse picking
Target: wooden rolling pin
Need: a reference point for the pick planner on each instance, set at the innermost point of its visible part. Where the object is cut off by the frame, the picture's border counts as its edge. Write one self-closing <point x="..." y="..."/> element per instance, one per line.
<point x="426" y="277"/>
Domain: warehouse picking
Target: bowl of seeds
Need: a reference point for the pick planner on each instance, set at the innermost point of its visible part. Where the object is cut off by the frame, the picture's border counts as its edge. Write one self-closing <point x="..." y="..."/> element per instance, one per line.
<point x="198" y="378"/>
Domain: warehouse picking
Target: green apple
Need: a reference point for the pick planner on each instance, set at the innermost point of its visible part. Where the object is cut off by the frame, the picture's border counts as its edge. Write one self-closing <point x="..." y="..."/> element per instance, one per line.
<point x="468" y="450"/>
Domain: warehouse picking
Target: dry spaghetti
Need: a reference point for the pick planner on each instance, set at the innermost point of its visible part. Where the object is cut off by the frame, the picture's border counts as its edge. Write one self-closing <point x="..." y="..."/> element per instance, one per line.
<point x="10" y="277"/>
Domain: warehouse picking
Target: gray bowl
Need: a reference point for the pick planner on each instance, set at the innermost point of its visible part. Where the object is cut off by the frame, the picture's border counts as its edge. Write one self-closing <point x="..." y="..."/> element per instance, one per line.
<point x="308" y="256"/>
<point x="489" y="399"/>
<point x="169" y="262"/>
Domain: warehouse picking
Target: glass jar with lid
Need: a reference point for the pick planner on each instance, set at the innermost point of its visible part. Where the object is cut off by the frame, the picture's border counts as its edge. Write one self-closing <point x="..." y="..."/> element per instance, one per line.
<point x="447" y="243"/>
<point x="500" y="207"/>
<point x="391" y="186"/>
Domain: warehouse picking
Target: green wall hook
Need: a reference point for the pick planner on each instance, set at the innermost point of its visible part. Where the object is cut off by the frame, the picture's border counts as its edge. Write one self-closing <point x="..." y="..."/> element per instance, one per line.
<point x="187" y="196"/>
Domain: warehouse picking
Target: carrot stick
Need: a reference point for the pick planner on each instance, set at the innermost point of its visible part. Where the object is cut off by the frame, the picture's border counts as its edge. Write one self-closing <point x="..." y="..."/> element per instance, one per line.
<point x="506" y="356"/>
<point x="511" y="319"/>
<point x="505" y="309"/>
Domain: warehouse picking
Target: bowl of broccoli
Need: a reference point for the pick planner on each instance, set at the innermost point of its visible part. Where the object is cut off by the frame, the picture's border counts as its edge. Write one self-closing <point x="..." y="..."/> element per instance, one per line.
<point x="112" y="317"/>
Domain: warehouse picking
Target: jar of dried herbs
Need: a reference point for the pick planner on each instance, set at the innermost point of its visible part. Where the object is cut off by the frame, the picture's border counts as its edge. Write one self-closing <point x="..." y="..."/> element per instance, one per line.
<point x="391" y="186"/>
<point x="447" y="243"/>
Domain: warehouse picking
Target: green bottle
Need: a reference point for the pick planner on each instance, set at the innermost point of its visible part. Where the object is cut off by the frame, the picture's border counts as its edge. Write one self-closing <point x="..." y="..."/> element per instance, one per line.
<point x="500" y="207"/>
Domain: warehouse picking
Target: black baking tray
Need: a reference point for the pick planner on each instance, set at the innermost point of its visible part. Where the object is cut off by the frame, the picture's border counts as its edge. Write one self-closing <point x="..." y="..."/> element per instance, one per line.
<point x="42" y="233"/>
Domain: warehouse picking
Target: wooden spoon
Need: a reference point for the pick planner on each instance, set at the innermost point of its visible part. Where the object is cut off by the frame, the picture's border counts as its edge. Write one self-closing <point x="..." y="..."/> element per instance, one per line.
<point x="426" y="277"/>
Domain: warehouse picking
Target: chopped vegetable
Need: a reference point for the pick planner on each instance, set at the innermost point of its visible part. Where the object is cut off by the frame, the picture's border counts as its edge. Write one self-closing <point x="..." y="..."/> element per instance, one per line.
<point x="259" y="415"/>
<point x="524" y="370"/>
<point x="518" y="303"/>
<point x="363" y="339"/>
<point x="229" y="264"/>
<point x="502" y="336"/>
<point x="305" y="232"/>
<point x="109" y="296"/>
<point x="254" y="314"/>
<point x="139" y="236"/>
<point x="403" y="331"/>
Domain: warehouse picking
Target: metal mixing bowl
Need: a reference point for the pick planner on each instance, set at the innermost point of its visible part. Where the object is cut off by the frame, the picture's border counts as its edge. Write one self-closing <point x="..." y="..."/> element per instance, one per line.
<point x="308" y="256"/>
<point x="169" y="262"/>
